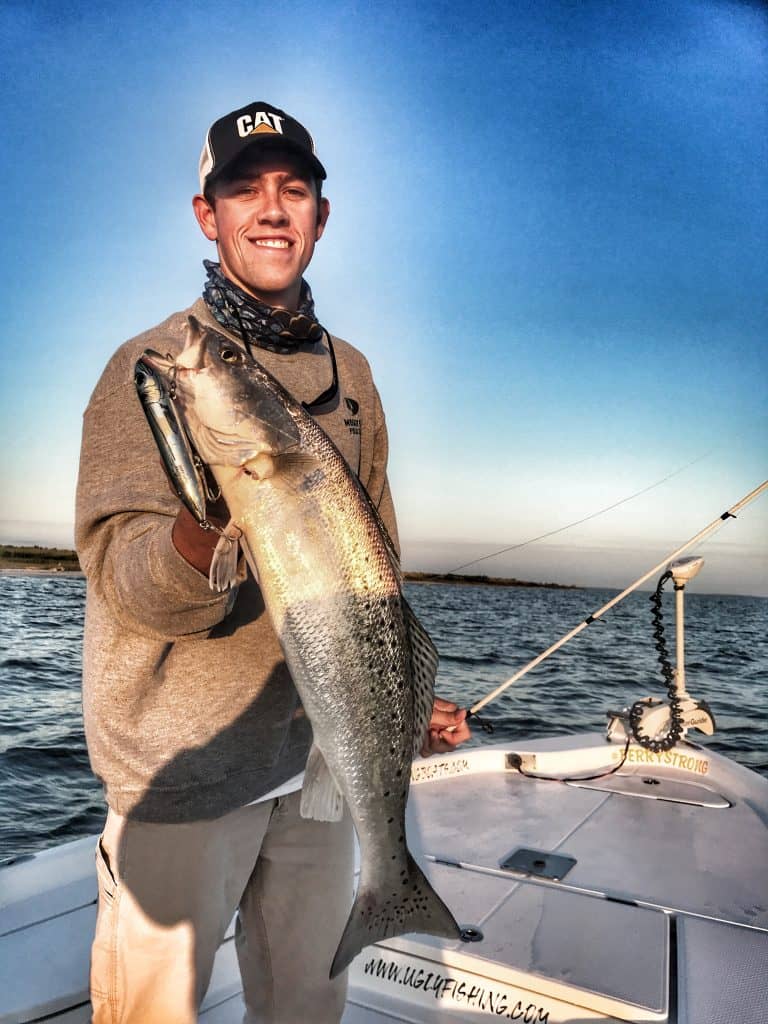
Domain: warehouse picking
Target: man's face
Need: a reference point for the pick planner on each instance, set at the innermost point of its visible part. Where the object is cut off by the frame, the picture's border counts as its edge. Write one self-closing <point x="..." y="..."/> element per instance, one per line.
<point x="265" y="223"/>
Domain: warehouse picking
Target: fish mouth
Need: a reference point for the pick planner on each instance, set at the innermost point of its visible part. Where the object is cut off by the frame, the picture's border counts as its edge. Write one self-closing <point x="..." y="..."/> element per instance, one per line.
<point x="157" y="362"/>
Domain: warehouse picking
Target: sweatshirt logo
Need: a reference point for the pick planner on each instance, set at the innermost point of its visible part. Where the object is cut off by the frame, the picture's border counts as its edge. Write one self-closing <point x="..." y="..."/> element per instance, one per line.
<point x="258" y="122"/>
<point x="352" y="422"/>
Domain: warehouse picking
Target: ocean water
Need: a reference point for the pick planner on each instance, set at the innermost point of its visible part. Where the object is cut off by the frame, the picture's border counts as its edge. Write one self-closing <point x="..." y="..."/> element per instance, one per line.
<point x="484" y="635"/>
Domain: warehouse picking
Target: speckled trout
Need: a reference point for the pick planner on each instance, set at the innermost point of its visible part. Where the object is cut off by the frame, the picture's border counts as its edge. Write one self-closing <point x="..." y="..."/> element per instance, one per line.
<point x="363" y="665"/>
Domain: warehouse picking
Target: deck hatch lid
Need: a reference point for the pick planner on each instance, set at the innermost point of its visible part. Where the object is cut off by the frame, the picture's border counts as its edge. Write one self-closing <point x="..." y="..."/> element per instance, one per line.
<point x="538" y="863"/>
<point x="610" y="951"/>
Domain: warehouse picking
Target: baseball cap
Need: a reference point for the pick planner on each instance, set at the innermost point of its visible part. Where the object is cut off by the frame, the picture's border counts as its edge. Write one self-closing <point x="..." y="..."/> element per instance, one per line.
<point x="257" y="123"/>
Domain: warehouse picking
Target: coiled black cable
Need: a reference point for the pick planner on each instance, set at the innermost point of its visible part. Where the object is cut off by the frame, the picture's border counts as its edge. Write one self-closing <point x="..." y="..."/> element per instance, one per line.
<point x="675" y="728"/>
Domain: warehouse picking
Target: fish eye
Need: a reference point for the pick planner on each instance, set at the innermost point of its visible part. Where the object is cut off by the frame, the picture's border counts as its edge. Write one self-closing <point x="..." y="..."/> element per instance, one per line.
<point x="230" y="354"/>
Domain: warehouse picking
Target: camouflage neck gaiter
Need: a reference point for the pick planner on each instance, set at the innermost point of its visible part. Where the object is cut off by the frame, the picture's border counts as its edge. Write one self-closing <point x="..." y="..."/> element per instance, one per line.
<point x="270" y="327"/>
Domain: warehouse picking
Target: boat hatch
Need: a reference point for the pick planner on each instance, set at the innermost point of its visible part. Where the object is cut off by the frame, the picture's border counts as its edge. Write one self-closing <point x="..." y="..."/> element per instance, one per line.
<point x="541" y="945"/>
<point x="723" y="972"/>
<point x="610" y="952"/>
<point x="676" y="856"/>
<point x="655" y="787"/>
<point x="538" y="863"/>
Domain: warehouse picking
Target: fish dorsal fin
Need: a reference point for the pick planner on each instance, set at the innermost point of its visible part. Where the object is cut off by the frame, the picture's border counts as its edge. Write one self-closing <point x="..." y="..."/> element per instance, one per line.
<point x="394" y="558"/>
<point x="424" y="660"/>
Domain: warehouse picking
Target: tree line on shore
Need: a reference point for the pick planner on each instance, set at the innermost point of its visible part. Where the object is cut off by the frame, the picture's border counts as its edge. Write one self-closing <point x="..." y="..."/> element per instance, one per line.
<point x="34" y="556"/>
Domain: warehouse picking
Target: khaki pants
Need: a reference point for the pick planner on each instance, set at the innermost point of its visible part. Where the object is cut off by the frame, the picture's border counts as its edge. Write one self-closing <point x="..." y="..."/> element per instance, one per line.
<point x="168" y="892"/>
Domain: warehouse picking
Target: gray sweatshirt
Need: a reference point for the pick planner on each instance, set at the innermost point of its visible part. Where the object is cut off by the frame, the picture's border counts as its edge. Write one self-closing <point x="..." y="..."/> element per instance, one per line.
<point x="189" y="708"/>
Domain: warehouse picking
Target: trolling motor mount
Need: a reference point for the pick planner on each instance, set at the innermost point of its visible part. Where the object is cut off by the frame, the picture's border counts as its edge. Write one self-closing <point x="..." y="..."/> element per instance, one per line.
<point x="654" y="724"/>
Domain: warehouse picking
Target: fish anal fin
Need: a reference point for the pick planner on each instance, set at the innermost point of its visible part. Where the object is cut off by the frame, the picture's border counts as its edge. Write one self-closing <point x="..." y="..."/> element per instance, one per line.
<point x="320" y="796"/>
<point x="424" y="661"/>
<point x="407" y="905"/>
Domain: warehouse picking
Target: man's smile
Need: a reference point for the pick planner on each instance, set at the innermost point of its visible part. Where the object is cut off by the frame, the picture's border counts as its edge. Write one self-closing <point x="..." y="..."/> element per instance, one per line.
<point x="273" y="243"/>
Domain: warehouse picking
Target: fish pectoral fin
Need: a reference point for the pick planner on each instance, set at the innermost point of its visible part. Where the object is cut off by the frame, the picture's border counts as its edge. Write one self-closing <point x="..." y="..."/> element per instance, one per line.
<point x="424" y="661"/>
<point x="223" y="573"/>
<point x="296" y="463"/>
<point x="320" y="796"/>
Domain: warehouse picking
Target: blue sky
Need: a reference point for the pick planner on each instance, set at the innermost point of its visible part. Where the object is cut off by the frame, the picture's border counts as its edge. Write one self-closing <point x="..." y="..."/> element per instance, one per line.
<point x="549" y="234"/>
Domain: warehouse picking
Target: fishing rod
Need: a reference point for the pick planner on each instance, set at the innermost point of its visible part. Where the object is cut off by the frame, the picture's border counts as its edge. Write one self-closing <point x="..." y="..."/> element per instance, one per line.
<point x="728" y="514"/>
<point x="584" y="519"/>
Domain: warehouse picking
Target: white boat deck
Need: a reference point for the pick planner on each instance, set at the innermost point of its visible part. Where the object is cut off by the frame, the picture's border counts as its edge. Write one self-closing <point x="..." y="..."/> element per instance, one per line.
<point x="661" y="913"/>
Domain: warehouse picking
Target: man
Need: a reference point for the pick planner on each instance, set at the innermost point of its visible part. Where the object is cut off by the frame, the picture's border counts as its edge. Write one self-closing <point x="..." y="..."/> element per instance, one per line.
<point x="192" y="720"/>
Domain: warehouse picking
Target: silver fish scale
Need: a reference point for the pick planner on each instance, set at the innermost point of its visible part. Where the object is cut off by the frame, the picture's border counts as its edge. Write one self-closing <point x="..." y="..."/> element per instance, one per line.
<point x="355" y="685"/>
<point x="348" y="650"/>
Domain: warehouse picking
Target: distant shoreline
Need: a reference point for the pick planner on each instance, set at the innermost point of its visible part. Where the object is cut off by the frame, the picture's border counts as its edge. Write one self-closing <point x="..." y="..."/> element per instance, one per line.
<point x="17" y="560"/>
<point x="36" y="570"/>
<point x="481" y="581"/>
<point x="27" y="558"/>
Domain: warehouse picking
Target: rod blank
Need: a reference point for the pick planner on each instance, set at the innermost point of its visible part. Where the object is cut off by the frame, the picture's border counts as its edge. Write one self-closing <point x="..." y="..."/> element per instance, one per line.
<point x="729" y="514"/>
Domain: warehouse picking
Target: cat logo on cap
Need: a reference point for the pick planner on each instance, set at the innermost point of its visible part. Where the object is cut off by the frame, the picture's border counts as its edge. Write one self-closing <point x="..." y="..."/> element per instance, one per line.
<point x="260" y="121"/>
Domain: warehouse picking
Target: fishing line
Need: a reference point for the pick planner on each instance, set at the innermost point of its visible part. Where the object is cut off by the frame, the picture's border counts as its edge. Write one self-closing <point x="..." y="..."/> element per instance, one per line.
<point x="578" y="522"/>
<point x="714" y="525"/>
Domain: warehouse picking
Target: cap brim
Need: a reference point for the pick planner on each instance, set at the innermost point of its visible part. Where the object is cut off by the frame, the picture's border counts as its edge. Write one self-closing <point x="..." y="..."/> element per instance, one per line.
<point x="273" y="142"/>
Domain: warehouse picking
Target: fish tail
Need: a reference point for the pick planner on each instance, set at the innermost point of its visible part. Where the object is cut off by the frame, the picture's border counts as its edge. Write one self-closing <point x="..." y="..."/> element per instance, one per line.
<point x="410" y="904"/>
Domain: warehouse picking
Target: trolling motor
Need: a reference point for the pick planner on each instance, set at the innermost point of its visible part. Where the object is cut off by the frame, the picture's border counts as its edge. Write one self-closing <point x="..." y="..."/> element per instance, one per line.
<point x="655" y="724"/>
